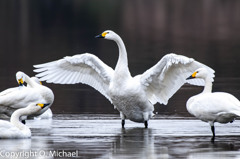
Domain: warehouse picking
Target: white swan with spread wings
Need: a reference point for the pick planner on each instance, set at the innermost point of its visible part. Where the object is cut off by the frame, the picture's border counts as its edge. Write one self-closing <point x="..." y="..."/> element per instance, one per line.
<point x="133" y="97"/>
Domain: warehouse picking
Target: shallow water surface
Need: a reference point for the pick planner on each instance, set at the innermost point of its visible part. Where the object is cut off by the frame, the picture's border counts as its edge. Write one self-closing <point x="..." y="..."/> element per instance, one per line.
<point x="101" y="136"/>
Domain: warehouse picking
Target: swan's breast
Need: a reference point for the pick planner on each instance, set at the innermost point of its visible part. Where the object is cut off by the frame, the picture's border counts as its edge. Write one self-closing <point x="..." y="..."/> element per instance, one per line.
<point x="190" y="104"/>
<point x="132" y="103"/>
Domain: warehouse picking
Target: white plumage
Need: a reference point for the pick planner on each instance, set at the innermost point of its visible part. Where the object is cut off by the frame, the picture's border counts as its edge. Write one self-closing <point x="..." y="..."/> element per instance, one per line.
<point x="48" y="113"/>
<point x="132" y="96"/>
<point x="19" y="97"/>
<point x="16" y="129"/>
<point x="212" y="107"/>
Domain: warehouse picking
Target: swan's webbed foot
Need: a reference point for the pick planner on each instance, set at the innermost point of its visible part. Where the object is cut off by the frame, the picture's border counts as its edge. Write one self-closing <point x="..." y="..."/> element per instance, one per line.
<point x="123" y="123"/>
<point x="146" y="124"/>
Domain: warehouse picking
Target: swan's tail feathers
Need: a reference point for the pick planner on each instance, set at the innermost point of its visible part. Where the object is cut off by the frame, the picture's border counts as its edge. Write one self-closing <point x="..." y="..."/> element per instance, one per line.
<point x="153" y="115"/>
<point x="237" y="113"/>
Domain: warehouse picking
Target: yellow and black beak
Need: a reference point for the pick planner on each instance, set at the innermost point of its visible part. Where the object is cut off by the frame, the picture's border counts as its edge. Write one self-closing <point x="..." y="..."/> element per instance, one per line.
<point x="192" y="76"/>
<point x="20" y="82"/>
<point x="101" y="35"/>
<point x="42" y="105"/>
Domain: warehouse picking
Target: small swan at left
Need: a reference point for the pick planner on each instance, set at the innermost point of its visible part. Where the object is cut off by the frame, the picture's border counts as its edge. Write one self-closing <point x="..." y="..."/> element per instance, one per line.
<point x="15" y="128"/>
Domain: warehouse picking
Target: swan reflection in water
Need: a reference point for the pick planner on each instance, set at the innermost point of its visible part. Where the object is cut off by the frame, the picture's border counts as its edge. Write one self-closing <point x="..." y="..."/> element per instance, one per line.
<point x="26" y="148"/>
<point x="137" y="143"/>
<point x="104" y="139"/>
<point x="147" y="143"/>
<point x="224" y="149"/>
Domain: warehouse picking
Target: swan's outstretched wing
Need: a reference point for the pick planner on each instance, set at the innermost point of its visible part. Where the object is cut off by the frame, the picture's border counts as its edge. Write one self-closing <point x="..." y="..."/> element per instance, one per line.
<point x="168" y="75"/>
<point x="83" y="68"/>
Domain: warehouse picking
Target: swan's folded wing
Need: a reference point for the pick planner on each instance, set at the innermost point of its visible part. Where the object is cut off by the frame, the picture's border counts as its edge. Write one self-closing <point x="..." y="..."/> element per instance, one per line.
<point x="8" y="130"/>
<point x="8" y="91"/>
<point x="168" y="75"/>
<point x="83" y="68"/>
<point x="14" y="98"/>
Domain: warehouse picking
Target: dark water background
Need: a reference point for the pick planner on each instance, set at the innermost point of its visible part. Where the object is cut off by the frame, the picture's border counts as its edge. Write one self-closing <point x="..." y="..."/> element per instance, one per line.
<point x="33" y="32"/>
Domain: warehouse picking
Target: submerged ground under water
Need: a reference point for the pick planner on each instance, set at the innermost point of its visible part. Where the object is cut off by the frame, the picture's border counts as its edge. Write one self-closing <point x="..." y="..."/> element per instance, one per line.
<point x="101" y="136"/>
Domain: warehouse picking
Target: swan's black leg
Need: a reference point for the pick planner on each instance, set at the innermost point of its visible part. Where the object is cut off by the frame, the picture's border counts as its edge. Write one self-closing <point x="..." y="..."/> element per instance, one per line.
<point x="24" y="122"/>
<point x="146" y="124"/>
<point x="123" y="119"/>
<point x="123" y="123"/>
<point x="213" y="132"/>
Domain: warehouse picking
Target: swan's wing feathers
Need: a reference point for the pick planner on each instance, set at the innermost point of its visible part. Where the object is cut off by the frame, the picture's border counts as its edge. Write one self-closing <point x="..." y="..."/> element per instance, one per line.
<point x="83" y="68"/>
<point x="8" y="91"/>
<point x="168" y="75"/>
<point x="8" y="131"/>
<point x="198" y="81"/>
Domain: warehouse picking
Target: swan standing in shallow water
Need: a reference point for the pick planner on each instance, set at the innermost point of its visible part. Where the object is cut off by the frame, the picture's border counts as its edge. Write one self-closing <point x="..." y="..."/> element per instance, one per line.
<point x="133" y="97"/>
<point x="16" y="129"/>
<point x="212" y="107"/>
<point x="15" y="98"/>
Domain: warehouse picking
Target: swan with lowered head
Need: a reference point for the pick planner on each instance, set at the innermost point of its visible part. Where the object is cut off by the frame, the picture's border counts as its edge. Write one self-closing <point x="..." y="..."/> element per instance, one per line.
<point x="18" y="97"/>
<point x="212" y="107"/>
<point x="48" y="113"/>
<point x="133" y="97"/>
<point x="15" y="128"/>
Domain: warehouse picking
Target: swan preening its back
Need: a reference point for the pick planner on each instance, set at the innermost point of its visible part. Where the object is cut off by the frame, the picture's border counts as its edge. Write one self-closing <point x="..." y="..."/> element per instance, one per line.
<point x="19" y="97"/>
<point x="15" y="128"/>
<point x="133" y="97"/>
<point x="212" y="107"/>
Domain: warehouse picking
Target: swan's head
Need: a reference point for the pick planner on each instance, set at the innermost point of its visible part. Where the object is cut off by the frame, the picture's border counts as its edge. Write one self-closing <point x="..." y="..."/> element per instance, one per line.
<point x="108" y="34"/>
<point x="20" y="76"/>
<point x="200" y="73"/>
<point x="33" y="107"/>
<point x="36" y="80"/>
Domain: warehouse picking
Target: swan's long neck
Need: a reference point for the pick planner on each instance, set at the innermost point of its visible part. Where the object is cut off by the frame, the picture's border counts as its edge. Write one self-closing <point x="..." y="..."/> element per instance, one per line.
<point x="29" y="81"/>
<point x="122" y="64"/>
<point x="15" y="118"/>
<point x="208" y="85"/>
